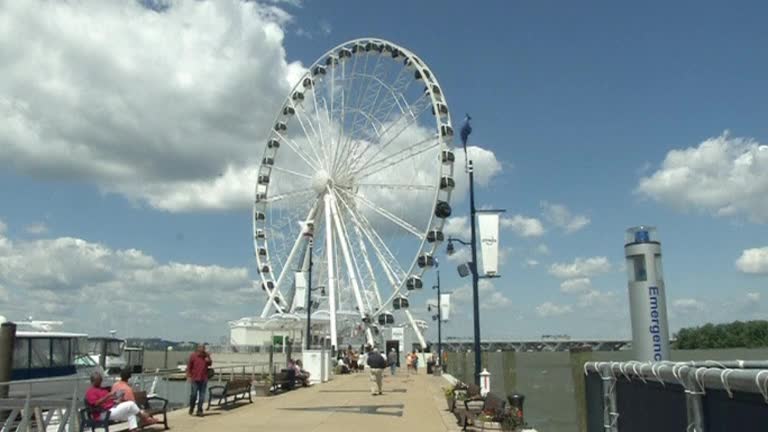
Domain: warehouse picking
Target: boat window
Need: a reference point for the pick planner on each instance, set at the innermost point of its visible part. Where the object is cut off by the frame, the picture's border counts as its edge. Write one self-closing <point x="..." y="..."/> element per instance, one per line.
<point x="21" y="353"/>
<point x="115" y="348"/>
<point x="41" y="353"/>
<point x="60" y="354"/>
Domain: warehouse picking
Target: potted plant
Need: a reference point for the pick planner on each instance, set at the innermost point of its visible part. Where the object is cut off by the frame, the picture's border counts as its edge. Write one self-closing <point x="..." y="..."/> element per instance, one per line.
<point x="456" y="392"/>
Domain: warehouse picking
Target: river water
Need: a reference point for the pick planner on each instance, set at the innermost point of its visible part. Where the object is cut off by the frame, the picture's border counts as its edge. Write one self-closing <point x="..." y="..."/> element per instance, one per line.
<point x="553" y="384"/>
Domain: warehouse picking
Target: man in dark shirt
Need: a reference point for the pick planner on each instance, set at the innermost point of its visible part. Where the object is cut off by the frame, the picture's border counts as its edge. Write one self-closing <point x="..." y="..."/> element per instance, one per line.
<point x="197" y="375"/>
<point x="377" y="364"/>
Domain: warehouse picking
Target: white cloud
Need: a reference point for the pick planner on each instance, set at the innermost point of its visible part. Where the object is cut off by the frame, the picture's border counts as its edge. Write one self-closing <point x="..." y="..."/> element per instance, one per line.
<point x="166" y="108"/>
<point x="688" y="305"/>
<point x="559" y="216"/>
<point x="549" y="309"/>
<point x="595" y="297"/>
<point x="36" y="275"/>
<point x="485" y="163"/>
<point x="723" y="175"/>
<point x="490" y="296"/>
<point x="456" y="226"/>
<point x="580" y="268"/>
<point x="753" y="296"/>
<point x="523" y="226"/>
<point x="531" y="263"/>
<point x="576" y="286"/>
<point x="753" y="260"/>
<point x="36" y="228"/>
<point x="542" y="249"/>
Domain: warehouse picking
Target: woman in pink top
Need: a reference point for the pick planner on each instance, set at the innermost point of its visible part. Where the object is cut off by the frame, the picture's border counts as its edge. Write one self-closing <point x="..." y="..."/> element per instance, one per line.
<point x="121" y="410"/>
<point x="122" y="389"/>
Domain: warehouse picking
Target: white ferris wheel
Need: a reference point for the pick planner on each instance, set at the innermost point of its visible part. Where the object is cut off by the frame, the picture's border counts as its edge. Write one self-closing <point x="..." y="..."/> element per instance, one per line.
<point x="353" y="190"/>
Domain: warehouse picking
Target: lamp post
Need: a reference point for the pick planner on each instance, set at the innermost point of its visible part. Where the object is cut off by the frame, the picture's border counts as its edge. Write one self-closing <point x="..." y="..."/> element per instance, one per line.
<point x="439" y="322"/>
<point x="309" y="295"/>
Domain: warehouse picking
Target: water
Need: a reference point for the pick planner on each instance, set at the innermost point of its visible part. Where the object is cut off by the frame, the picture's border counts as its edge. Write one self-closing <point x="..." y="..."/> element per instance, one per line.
<point x="553" y="384"/>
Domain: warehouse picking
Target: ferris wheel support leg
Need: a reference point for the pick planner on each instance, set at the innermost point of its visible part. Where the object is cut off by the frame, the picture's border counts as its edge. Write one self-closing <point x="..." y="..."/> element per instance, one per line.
<point x="331" y="271"/>
<point x="299" y="240"/>
<point x="348" y="262"/>
<point x="416" y="330"/>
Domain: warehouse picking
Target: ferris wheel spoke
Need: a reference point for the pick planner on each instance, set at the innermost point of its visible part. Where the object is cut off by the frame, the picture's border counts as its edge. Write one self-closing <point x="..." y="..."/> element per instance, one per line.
<point x="313" y="142"/>
<point x="398" y="186"/>
<point x="296" y="149"/>
<point x="319" y="120"/>
<point x="288" y="195"/>
<point x="365" y="99"/>
<point x="383" y="163"/>
<point x="356" y="274"/>
<point x="412" y="118"/>
<point x="291" y="172"/>
<point x="386" y="214"/>
<point x="375" y="239"/>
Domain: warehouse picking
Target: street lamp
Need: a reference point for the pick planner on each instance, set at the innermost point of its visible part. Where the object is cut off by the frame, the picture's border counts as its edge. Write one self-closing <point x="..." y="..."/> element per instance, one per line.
<point x="471" y="267"/>
<point x="439" y="322"/>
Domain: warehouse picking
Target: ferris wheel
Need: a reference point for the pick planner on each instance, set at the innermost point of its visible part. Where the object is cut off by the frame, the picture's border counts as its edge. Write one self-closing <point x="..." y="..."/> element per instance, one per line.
<point x="353" y="190"/>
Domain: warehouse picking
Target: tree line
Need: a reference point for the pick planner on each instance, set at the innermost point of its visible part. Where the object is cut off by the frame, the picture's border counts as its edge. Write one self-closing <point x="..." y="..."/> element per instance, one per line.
<point x="738" y="334"/>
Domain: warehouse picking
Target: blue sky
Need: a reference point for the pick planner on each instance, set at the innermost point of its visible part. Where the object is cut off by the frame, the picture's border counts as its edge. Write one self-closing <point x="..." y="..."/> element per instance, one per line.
<point x="579" y="104"/>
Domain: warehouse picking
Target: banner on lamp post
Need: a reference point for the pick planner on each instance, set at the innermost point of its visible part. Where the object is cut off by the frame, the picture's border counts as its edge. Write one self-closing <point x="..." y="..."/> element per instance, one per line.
<point x="488" y="225"/>
<point x="445" y="307"/>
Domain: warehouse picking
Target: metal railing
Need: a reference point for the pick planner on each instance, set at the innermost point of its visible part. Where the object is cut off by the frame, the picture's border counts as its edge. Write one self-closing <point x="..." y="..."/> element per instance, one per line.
<point x="59" y="412"/>
<point x="682" y="390"/>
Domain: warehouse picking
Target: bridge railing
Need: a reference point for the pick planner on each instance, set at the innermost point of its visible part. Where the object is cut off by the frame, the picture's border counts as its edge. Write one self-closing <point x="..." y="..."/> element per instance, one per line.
<point x="676" y="396"/>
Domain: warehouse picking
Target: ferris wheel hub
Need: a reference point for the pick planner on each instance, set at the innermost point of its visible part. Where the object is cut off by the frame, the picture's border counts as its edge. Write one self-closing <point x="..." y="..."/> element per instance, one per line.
<point x="321" y="181"/>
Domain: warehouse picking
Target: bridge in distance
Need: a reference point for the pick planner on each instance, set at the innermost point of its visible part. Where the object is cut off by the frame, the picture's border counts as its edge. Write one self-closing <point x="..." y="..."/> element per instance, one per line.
<point x="544" y="344"/>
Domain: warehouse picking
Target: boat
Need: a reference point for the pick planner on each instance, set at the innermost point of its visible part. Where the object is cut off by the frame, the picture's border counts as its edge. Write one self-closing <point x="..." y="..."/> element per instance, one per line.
<point x="48" y="363"/>
<point x="112" y="349"/>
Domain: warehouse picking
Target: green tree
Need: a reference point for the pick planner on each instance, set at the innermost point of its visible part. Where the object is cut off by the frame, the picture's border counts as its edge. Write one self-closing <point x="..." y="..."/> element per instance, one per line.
<point x="738" y="334"/>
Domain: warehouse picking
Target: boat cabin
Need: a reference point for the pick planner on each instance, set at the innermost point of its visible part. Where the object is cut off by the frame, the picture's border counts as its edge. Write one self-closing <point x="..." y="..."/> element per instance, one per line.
<point x="45" y="354"/>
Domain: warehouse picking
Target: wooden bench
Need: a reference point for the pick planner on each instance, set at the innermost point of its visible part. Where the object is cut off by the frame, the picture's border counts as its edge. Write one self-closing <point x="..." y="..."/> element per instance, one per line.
<point x="152" y="405"/>
<point x="491" y="404"/>
<point x="236" y="389"/>
<point x="285" y="380"/>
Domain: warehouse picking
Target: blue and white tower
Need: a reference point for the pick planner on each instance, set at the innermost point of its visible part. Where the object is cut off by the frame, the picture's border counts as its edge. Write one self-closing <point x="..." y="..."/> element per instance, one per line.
<point x="647" y="300"/>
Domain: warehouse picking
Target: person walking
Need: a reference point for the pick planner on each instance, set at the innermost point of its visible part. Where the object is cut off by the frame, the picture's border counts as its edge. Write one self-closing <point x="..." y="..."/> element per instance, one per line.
<point x="197" y="375"/>
<point x="377" y="363"/>
<point x="392" y="361"/>
<point x="415" y="362"/>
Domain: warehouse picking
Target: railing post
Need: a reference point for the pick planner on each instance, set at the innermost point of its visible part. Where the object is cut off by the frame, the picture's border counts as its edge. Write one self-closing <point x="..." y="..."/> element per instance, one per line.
<point x="693" y="401"/>
<point x="7" y="336"/>
<point x="610" y="412"/>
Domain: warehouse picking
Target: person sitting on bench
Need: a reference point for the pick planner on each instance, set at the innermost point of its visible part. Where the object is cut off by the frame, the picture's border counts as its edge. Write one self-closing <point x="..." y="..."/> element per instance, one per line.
<point x="119" y="409"/>
<point x="301" y="374"/>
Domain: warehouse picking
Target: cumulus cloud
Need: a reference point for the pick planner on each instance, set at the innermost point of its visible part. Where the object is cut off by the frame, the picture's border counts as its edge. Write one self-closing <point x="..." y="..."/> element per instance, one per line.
<point x="559" y="216"/>
<point x="576" y="286"/>
<point x="753" y="296"/>
<point x="531" y="263"/>
<point x="688" y="305"/>
<point x="723" y="175"/>
<point x="542" y="249"/>
<point x="170" y="108"/>
<point x="36" y="228"/>
<point x="490" y="296"/>
<point x="753" y="261"/>
<point x="523" y="226"/>
<point x="580" y="268"/>
<point x="60" y="276"/>
<point x="549" y="309"/>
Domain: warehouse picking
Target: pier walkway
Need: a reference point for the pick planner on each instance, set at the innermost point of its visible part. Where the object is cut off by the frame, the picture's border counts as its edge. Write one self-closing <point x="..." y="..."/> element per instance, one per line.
<point x="409" y="403"/>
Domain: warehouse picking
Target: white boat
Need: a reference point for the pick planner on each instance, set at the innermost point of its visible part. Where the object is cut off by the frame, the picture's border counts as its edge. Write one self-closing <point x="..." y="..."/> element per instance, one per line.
<point x="49" y="363"/>
<point x="111" y="347"/>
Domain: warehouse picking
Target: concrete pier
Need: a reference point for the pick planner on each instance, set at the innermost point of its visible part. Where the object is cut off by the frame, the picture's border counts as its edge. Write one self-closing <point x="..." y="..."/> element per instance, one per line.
<point x="409" y="403"/>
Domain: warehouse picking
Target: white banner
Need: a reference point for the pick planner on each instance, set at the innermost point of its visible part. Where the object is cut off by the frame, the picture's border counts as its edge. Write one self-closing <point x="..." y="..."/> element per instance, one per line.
<point x="300" y="296"/>
<point x="445" y="307"/>
<point x="488" y="225"/>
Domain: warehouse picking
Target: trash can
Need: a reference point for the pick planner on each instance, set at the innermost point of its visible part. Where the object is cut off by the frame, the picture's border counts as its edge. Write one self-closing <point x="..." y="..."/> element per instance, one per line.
<point x="516" y="401"/>
<point x="430" y="367"/>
